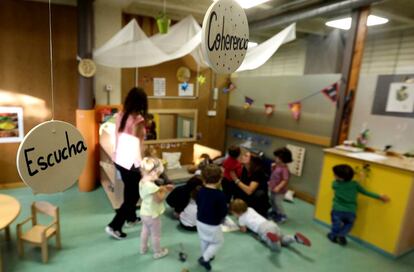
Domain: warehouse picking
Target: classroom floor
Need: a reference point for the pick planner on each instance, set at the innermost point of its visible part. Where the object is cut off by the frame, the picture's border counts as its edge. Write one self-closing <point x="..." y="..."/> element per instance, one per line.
<point x="86" y="247"/>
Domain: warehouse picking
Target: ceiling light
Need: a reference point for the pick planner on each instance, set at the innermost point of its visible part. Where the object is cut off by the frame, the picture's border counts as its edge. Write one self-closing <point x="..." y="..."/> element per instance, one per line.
<point x="246" y="4"/>
<point x="376" y="20"/>
<point x="252" y="44"/>
<point x="345" y="23"/>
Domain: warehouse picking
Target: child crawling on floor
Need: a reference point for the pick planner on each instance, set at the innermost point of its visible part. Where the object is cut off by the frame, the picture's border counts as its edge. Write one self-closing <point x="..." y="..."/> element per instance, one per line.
<point x="268" y="231"/>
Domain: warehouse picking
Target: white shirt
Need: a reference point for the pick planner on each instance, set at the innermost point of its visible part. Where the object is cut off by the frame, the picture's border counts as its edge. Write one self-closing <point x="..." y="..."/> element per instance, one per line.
<point x="251" y="219"/>
<point x="188" y="217"/>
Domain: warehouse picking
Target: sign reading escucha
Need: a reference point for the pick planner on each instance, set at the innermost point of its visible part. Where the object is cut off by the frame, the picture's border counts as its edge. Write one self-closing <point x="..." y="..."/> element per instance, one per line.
<point x="51" y="157"/>
<point x="225" y="36"/>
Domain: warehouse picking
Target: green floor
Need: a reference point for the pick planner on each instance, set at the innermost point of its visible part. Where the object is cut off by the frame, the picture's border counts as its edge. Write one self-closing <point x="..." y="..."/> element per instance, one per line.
<point x="86" y="247"/>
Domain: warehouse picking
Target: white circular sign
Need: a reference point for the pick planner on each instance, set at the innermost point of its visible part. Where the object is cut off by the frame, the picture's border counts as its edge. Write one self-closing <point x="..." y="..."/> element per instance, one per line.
<point x="225" y="36"/>
<point x="87" y="68"/>
<point x="51" y="157"/>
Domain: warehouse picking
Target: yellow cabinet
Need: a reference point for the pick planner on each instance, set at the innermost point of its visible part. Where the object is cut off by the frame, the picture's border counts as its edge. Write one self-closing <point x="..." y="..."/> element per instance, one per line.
<point x="388" y="227"/>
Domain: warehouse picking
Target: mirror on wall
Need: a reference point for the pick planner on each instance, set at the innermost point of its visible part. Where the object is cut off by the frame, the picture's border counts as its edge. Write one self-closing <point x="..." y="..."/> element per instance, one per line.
<point x="167" y="125"/>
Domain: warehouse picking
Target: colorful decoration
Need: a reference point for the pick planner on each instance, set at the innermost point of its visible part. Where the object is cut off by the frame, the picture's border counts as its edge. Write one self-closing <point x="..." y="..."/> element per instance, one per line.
<point x="362" y="139"/>
<point x="331" y="92"/>
<point x="230" y="87"/>
<point x="247" y="102"/>
<point x="184" y="86"/>
<point x="183" y="74"/>
<point x="201" y="80"/>
<point x="295" y="108"/>
<point x="269" y="109"/>
<point x="163" y="23"/>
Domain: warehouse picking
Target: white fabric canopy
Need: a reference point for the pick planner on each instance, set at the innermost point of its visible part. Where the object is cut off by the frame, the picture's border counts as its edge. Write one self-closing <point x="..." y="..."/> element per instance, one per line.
<point x="131" y="48"/>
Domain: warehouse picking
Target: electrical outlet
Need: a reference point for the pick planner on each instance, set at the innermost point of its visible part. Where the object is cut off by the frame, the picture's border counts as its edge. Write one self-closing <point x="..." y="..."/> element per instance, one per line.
<point x="212" y="113"/>
<point x="108" y="87"/>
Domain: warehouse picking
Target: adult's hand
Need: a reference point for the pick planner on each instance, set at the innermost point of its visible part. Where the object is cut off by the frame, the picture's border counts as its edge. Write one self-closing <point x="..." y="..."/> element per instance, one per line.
<point x="233" y="176"/>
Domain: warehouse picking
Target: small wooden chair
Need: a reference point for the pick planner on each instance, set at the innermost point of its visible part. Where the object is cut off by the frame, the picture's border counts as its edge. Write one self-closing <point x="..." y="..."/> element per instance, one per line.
<point x="40" y="234"/>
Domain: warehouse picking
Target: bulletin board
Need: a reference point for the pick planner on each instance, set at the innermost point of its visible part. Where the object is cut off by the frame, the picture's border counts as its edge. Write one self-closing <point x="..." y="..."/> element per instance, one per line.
<point x="394" y="96"/>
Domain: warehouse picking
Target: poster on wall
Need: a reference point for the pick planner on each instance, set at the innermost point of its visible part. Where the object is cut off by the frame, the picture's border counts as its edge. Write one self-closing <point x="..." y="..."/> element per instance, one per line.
<point x="185" y="89"/>
<point x="394" y="96"/>
<point x="11" y="124"/>
<point x="159" y="86"/>
<point x="400" y="97"/>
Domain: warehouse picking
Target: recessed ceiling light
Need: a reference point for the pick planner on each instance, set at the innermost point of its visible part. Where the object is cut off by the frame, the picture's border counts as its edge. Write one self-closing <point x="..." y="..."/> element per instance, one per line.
<point x="252" y="44"/>
<point x="345" y="23"/>
<point x="246" y="4"/>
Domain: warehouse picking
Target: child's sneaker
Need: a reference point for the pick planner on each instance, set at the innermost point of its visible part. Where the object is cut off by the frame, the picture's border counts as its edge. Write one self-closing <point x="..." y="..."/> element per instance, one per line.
<point x="273" y="237"/>
<point x="133" y="223"/>
<point x="342" y="241"/>
<point x="302" y="239"/>
<point x="117" y="234"/>
<point x="204" y="264"/>
<point x="143" y="251"/>
<point x="332" y="238"/>
<point x="162" y="253"/>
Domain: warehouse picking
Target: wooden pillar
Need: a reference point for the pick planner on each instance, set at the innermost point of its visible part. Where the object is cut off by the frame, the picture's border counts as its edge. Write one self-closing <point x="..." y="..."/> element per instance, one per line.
<point x="85" y="114"/>
<point x="354" y="50"/>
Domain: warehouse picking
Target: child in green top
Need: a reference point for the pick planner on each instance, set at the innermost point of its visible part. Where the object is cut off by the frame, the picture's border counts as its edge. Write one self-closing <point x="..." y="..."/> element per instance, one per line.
<point x="345" y="202"/>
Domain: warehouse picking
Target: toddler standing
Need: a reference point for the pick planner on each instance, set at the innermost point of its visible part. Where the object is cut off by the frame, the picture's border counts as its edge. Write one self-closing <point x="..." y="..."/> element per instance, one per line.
<point x="345" y="202"/>
<point x="231" y="164"/>
<point x="267" y="230"/>
<point x="211" y="211"/>
<point x="278" y="183"/>
<point x="152" y="206"/>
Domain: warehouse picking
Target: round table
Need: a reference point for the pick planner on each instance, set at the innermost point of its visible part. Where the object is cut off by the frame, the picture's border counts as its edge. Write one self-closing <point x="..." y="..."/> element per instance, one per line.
<point x="9" y="210"/>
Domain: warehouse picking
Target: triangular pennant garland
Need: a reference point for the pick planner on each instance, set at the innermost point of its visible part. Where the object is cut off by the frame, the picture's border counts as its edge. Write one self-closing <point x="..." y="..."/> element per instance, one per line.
<point x="295" y="108"/>
<point x="331" y="92"/>
<point x="269" y="109"/>
<point x="247" y="102"/>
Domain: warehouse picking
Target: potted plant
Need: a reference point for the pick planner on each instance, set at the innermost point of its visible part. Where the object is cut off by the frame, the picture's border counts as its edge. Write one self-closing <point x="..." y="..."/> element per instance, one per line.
<point x="163" y="23"/>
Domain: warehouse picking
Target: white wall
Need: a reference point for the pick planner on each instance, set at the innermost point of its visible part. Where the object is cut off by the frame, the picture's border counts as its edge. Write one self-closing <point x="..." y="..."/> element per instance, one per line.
<point x="108" y="21"/>
<point x="392" y="53"/>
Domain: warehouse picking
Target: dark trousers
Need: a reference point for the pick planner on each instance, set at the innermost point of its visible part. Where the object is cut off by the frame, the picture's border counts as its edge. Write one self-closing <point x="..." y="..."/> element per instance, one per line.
<point x="342" y="223"/>
<point x="228" y="189"/>
<point x="127" y="211"/>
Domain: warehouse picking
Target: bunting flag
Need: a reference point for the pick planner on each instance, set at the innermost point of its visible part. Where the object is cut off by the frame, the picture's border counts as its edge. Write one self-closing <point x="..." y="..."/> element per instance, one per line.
<point x="331" y="92"/>
<point x="230" y="87"/>
<point x="184" y="86"/>
<point x="247" y="102"/>
<point x="295" y="108"/>
<point x="269" y="109"/>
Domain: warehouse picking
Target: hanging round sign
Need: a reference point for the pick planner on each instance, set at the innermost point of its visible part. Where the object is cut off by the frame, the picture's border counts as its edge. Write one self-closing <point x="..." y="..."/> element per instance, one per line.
<point x="87" y="68"/>
<point x="51" y="157"/>
<point x="225" y="36"/>
<point x="183" y="74"/>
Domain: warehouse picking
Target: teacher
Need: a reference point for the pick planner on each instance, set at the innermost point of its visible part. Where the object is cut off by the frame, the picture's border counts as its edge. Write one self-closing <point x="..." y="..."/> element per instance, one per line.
<point x="252" y="185"/>
<point x="130" y="132"/>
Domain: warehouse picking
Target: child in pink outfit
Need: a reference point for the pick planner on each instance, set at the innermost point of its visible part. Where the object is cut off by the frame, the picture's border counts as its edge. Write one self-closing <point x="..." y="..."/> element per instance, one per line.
<point x="278" y="183"/>
<point x="152" y="206"/>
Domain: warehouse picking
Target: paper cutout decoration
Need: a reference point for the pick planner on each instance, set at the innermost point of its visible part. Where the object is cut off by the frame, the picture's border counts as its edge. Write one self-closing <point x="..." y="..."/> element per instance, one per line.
<point x="183" y="74"/>
<point x="201" y="80"/>
<point x="269" y="109"/>
<point x="247" y="102"/>
<point x="331" y="92"/>
<point x="87" y="68"/>
<point x="295" y="108"/>
<point x="184" y="86"/>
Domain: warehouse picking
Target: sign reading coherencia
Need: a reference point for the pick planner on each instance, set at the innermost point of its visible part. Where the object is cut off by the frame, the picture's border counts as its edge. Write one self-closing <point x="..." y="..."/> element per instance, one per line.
<point x="51" y="157"/>
<point x="225" y="36"/>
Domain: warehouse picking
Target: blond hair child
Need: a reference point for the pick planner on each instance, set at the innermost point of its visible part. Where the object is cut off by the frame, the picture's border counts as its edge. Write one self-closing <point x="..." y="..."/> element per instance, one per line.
<point x="152" y="206"/>
<point x="268" y="231"/>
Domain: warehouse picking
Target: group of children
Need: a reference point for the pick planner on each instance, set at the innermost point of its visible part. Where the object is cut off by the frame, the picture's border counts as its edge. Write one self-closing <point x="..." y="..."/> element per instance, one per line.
<point x="211" y="202"/>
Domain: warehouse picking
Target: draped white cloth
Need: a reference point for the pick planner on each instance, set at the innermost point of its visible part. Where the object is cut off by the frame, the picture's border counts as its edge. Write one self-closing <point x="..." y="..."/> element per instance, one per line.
<point x="131" y="48"/>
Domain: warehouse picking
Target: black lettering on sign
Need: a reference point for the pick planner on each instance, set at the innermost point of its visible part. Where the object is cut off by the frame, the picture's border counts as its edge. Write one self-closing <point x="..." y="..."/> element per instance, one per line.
<point x="222" y="41"/>
<point x="54" y="158"/>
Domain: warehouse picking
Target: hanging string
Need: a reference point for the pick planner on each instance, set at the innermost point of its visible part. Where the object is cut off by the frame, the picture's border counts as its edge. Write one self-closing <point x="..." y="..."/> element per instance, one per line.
<point x="51" y="59"/>
<point x="165" y="7"/>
